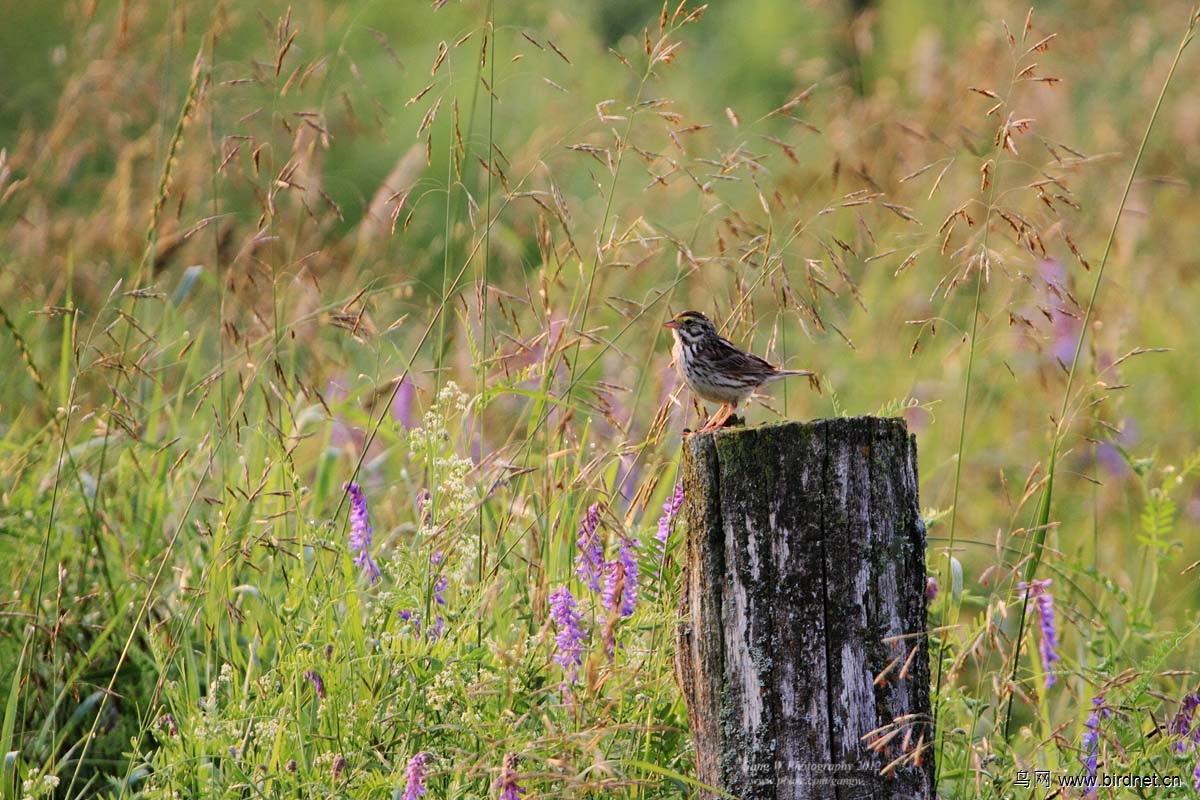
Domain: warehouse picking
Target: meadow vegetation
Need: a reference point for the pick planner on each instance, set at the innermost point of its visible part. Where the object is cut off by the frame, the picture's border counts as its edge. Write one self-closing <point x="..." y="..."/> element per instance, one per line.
<point x="338" y="438"/>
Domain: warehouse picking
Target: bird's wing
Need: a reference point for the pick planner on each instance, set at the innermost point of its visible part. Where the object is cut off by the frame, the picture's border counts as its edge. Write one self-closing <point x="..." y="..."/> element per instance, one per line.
<point x="731" y="357"/>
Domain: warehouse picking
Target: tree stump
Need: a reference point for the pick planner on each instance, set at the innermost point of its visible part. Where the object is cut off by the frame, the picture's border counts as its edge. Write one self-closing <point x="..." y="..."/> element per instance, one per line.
<point x="802" y="648"/>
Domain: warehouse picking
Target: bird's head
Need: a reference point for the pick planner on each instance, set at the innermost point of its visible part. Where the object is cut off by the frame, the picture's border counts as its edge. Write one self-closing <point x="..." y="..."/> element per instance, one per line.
<point x="690" y="326"/>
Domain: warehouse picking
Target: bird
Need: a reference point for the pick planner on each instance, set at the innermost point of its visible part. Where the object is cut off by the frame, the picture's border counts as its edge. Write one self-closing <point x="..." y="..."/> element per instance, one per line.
<point x="716" y="369"/>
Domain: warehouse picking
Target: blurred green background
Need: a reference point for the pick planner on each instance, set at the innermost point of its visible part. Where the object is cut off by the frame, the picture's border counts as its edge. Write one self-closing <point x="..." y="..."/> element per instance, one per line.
<point x="516" y="196"/>
<point x="93" y="93"/>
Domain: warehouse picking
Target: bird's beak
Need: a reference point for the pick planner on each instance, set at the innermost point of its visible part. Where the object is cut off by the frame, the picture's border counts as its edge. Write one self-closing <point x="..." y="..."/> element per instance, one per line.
<point x="672" y="324"/>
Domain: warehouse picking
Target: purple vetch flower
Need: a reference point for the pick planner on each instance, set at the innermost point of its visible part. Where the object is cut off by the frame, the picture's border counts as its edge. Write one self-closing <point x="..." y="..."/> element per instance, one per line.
<point x="665" y="523"/>
<point x="1090" y="741"/>
<point x="1196" y="777"/>
<point x="402" y="403"/>
<point x="670" y="509"/>
<point x="1110" y="454"/>
<point x="621" y="579"/>
<point x="628" y="470"/>
<point x="360" y="532"/>
<point x="509" y="788"/>
<point x="433" y="632"/>
<point x="318" y="683"/>
<point x="342" y="435"/>
<point x="1180" y="727"/>
<point x="1048" y="646"/>
<point x="414" y="776"/>
<point x="590" y="560"/>
<point x="1055" y="297"/>
<point x="441" y="581"/>
<point x="568" y="641"/>
<point x="439" y="596"/>
<point x="620" y="592"/>
<point x="931" y="588"/>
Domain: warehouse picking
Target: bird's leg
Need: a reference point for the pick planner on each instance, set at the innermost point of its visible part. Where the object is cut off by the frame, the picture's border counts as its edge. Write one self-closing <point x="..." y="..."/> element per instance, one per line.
<point x="718" y="419"/>
<point x="724" y="418"/>
<point x="708" y="424"/>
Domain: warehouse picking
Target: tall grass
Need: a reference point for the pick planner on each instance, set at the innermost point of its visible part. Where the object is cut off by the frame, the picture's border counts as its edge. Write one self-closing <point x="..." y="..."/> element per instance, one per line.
<point x="254" y="258"/>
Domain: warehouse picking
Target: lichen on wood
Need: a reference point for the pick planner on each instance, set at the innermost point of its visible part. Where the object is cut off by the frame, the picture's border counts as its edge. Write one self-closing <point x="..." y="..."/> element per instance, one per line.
<point x="802" y="635"/>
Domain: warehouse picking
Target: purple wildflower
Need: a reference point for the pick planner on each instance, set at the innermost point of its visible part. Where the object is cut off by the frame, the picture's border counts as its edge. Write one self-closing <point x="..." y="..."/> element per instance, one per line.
<point x="318" y="683"/>
<point x="665" y="523"/>
<point x="1112" y="454"/>
<point x="931" y="588"/>
<point x="402" y="403"/>
<point x="441" y="581"/>
<point x="670" y="509"/>
<point x="1180" y="726"/>
<point x="342" y="435"/>
<point x="509" y="788"/>
<point x="621" y="579"/>
<point x="360" y="532"/>
<point x="1048" y="646"/>
<point x="433" y="631"/>
<point x="414" y="784"/>
<point x="439" y="596"/>
<point x="1091" y="737"/>
<point x="620" y="592"/>
<point x="569" y="640"/>
<point x="1196" y="777"/>
<point x="1065" y="325"/>
<point x="590" y="560"/>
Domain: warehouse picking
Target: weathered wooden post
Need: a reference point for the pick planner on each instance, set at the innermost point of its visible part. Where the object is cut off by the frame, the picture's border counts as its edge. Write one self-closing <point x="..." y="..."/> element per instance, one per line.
<point x="802" y="648"/>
